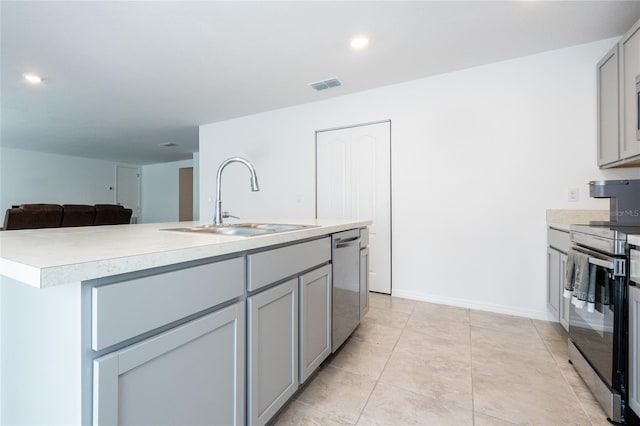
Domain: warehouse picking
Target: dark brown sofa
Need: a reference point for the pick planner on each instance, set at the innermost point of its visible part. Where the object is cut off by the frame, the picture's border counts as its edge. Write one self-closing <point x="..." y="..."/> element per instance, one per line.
<point x="78" y="215"/>
<point x="111" y="214"/>
<point x="33" y="216"/>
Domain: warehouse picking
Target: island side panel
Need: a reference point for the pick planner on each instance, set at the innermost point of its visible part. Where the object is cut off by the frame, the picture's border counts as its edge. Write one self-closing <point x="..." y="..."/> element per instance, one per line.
<point x="40" y="346"/>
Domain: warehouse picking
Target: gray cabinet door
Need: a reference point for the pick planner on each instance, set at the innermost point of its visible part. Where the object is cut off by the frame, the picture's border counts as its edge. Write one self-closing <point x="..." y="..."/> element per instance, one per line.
<point x="272" y="360"/>
<point x="553" y="281"/>
<point x="608" y="103"/>
<point x="364" y="282"/>
<point x="315" y="319"/>
<point x="192" y="374"/>
<point x="629" y="69"/>
<point x="634" y="348"/>
<point x="564" y="302"/>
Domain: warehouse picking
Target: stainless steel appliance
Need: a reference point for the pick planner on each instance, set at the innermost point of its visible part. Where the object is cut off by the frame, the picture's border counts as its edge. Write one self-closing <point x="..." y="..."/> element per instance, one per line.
<point x="345" y="261"/>
<point x="634" y="264"/>
<point x="633" y="377"/>
<point x="638" y="107"/>
<point x="624" y="200"/>
<point x="598" y="339"/>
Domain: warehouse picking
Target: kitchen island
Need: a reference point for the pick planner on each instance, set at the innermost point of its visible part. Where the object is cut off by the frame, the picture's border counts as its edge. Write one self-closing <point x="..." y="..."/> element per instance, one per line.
<point x="107" y="324"/>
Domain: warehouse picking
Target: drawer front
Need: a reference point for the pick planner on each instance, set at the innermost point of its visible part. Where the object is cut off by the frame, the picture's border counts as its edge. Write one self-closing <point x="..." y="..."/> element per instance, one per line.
<point x="127" y="309"/>
<point x="364" y="237"/>
<point x="270" y="266"/>
<point x="558" y="239"/>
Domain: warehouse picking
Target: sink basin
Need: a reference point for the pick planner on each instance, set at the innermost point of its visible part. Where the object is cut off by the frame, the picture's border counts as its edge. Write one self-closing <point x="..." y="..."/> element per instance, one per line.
<point x="242" y="229"/>
<point x="245" y="232"/>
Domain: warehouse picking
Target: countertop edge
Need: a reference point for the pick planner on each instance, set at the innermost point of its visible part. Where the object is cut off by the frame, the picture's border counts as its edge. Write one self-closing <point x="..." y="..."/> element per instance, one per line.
<point x="50" y="276"/>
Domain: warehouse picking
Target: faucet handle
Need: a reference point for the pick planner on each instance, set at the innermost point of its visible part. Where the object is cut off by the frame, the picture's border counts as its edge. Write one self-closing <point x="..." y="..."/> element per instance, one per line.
<point x="226" y="215"/>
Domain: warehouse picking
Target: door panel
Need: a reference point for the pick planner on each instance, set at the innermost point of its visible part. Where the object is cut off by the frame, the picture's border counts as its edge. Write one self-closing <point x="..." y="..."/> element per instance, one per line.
<point x="332" y="175"/>
<point x="128" y="189"/>
<point x="185" y="194"/>
<point x="272" y="359"/>
<point x="315" y="320"/>
<point x="353" y="181"/>
<point x="193" y="374"/>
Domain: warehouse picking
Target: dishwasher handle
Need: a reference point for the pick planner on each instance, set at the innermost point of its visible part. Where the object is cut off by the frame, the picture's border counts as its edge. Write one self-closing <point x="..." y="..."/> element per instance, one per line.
<point x="348" y="242"/>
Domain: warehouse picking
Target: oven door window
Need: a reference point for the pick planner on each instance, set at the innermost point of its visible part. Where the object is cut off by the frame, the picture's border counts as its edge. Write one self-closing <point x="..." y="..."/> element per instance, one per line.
<point x="593" y="332"/>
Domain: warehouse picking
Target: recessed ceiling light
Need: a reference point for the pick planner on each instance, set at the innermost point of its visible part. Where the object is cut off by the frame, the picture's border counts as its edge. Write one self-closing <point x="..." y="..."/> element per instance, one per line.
<point x="359" y="42"/>
<point x="33" y="78"/>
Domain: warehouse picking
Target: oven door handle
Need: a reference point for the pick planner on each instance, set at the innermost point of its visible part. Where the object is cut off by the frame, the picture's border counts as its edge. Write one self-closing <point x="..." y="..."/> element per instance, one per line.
<point x="603" y="263"/>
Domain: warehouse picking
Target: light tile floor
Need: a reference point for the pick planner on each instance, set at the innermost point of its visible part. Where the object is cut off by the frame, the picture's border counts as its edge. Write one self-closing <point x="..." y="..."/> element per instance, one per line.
<point x="416" y="363"/>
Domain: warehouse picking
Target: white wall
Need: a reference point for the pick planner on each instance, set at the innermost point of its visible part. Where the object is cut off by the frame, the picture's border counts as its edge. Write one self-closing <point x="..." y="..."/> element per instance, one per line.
<point x="37" y="177"/>
<point x="160" y="189"/>
<point x="478" y="156"/>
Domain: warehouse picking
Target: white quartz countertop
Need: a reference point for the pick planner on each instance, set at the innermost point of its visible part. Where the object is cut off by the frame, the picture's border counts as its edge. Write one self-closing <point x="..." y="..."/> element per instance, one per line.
<point x="50" y="257"/>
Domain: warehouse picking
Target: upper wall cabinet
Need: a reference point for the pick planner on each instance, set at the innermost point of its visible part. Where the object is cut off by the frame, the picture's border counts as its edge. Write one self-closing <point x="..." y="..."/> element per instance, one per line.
<point x="618" y="143"/>
<point x="608" y="101"/>
<point x="629" y="70"/>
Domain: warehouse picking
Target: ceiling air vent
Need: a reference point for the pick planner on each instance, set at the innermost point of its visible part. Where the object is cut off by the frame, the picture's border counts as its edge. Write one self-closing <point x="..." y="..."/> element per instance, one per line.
<point x="326" y="84"/>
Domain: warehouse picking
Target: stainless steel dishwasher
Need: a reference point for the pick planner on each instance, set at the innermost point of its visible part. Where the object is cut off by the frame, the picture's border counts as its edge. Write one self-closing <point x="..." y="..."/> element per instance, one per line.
<point x="345" y="261"/>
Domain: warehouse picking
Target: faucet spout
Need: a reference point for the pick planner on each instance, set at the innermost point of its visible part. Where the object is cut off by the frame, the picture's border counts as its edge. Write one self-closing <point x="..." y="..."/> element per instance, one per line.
<point x="217" y="220"/>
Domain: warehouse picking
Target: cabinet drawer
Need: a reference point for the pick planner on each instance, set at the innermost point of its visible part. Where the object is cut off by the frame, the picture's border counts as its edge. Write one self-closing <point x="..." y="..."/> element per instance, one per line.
<point x="273" y="265"/>
<point x="127" y="309"/>
<point x="559" y="240"/>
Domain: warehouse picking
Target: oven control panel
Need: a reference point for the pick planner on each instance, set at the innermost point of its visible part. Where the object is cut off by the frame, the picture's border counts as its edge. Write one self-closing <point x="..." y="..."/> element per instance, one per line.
<point x="634" y="265"/>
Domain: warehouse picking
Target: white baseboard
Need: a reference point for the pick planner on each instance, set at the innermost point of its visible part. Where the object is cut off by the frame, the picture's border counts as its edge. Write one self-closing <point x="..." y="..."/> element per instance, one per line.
<point x="464" y="303"/>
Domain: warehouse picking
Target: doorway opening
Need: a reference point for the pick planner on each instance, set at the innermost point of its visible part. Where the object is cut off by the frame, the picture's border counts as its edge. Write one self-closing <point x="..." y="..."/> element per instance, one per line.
<point x="185" y="194"/>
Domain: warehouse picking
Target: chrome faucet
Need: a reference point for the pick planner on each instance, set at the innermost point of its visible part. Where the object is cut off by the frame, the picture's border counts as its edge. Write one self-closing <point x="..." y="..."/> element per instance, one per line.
<point x="217" y="220"/>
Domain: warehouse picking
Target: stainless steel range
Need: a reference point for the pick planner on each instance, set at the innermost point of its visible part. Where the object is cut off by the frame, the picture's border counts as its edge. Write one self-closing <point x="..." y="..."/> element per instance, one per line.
<point x="598" y="336"/>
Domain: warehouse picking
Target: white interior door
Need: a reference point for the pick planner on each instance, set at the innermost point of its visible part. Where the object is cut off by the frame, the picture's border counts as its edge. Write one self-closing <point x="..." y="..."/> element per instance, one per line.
<point x="128" y="189"/>
<point x="353" y="181"/>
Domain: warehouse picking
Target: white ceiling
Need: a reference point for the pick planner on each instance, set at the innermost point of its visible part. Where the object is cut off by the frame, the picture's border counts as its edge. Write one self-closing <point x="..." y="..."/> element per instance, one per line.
<point x="124" y="77"/>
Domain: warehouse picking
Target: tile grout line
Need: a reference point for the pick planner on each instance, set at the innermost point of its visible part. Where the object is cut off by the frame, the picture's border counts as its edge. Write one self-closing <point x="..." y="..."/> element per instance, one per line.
<point x="383" y="368"/>
<point x="546" y="346"/>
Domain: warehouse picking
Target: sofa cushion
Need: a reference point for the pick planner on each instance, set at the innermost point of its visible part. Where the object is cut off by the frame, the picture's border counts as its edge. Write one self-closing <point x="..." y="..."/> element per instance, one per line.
<point x="32" y="218"/>
<point x="78" y="215"/>
<point x="112" y="214"/>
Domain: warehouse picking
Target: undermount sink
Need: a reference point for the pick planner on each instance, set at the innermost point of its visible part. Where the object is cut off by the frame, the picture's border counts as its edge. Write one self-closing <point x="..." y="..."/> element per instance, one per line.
<point x="242" y="229"/>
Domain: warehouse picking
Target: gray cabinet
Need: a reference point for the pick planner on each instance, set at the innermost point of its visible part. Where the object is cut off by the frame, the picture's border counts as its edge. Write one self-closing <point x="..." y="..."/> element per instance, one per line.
<point x="272" y="350"/>
<point x="126" y="309"/>
<point x="269" y="266"/>
<point x="553" y="281"/>
<point x="558" y="245"/>
<point x="629" y="70"/>
<point x="289" y="324"/>
<point x="315" y="319"/>
<point x="634" y="348"/>
<point x="618" y="144"/>
<point x="192" y="374"/>
<point x="608" y="103"/>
